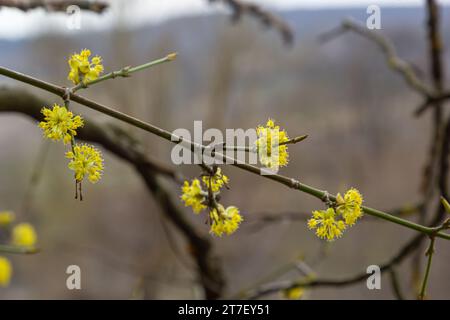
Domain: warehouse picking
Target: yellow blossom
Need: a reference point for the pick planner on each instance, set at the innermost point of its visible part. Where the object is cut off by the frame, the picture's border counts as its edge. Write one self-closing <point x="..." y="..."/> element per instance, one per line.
<point x="5" y="272"/>
<point x="23" y="234"/>
<point x="272" y="153"/>
<point x="6" y="218"/>
<point x="326" y="225"/>
<point x="218" y="180"/>
<point x="225" y="220"/>
<point x="349" y="206"/>
<point x="59" y="123"/>
<point x="193" y="195"/>
<point x="85" y="161"/>
<point x="294" y="293"/>
<point x="81" y="69"/>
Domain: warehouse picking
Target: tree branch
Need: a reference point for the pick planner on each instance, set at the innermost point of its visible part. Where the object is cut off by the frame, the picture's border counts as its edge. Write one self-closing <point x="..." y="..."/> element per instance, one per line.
<point x="392" y="60"/>
<point x="55" y="5"/>
<point x="268" y="19"/>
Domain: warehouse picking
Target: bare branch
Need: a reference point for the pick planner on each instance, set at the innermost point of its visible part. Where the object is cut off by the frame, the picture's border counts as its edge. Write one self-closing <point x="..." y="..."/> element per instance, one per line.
<point x="395" y="284"/>
<point x="392" y="60"/>
<point x="55" y="5"/>
<point x="269" y="19"/>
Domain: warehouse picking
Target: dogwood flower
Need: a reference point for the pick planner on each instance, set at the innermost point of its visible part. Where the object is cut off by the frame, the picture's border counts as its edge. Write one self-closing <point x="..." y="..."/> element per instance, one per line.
<point x="217" y="181"/>
<point x="5" y="272"/>
<point x="193" y="196"/>
<point x="60" y="124"/>
<point x="85" y="160"/>
<point x="294" y="293"/>
<point x="6" y="218"/>
<point x="326" y="224"/>
<point x="81" y="69"/>
<point x="349" y="206"/>
<point x="271" y="150"/>
<point x="24" y="234"/>
<point x="225" y="221"/>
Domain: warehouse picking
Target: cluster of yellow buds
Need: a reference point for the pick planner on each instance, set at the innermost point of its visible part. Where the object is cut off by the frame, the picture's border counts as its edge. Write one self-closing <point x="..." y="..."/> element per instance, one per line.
<point x="60" y="124"/>
<point x="331" y="223"/>
<point x="21" y="235"/>
<point x="83" y="69"/>
<point x="202" y="193"/>
<point x="271" y="145"/>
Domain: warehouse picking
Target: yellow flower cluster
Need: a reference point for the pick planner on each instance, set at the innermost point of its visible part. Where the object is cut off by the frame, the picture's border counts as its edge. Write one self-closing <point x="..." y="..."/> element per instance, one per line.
<point x="6" y="218"/>
<point x="349" y="206"/>
<point x="197" y="195"/>
<point x="330" y="224"/>
<point x="225" y="220"/>
<point x="60" y="124"/>
<point x="5" y="272"/>
<point x="193" y="195"/>
<point x="81" y="69"/>
<point x="271" y="150"/>
<point x="22" y="235"/>
<point x="294" y="293"/>
<point x="216" y="181"/>
<point x="85" y="160"/>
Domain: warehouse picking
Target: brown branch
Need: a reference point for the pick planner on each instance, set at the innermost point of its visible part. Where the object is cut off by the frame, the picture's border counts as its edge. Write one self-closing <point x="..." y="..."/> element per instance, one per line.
<point x="395" y="284"/>
<point x="269" y="19"/>
<point x="55" y="5"/>
<point x="406" y="70"/>
<point x="432" y="170"/>
<point x="392" y="60"/>
<point x="152" y="172"/>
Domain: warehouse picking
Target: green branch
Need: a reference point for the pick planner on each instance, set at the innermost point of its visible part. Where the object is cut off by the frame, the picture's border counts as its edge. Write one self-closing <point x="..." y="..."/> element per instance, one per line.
<point x="289" y="182"/>
<point x="124" y="72"/>
<point x="4" y="248"/>
<point x="429" y="253"/>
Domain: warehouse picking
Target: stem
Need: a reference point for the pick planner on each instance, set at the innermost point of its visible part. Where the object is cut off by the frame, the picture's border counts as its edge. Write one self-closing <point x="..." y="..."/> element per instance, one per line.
<point x="429" y="253"/>
<point x="289" y="182"/>
<point x="124" y="72"/>
<point x="239" y="148"/>
<point x="4" y="248"/>
<point x="253" y="149"/>
<point x="294" y="140"/>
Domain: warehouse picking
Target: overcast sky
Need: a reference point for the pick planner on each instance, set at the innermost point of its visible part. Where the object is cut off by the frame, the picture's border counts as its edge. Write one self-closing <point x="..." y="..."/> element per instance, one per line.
<point x="15" y="24"/>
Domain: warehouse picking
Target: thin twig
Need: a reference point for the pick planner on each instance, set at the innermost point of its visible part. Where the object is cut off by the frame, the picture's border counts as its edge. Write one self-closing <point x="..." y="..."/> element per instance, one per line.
<point x="124" y="72"/>
<point x="395" y="284"/>
<point x="4" y="248"/>
<point x="429" y="254"/>
<point x="240" y="8"/>
<point x="392" y="60"/>
<point x="55" y="5"/>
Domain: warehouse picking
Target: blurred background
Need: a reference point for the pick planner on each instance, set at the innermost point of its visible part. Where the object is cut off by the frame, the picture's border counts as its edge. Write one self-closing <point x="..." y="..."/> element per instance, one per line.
<point x="358" y="115"/>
